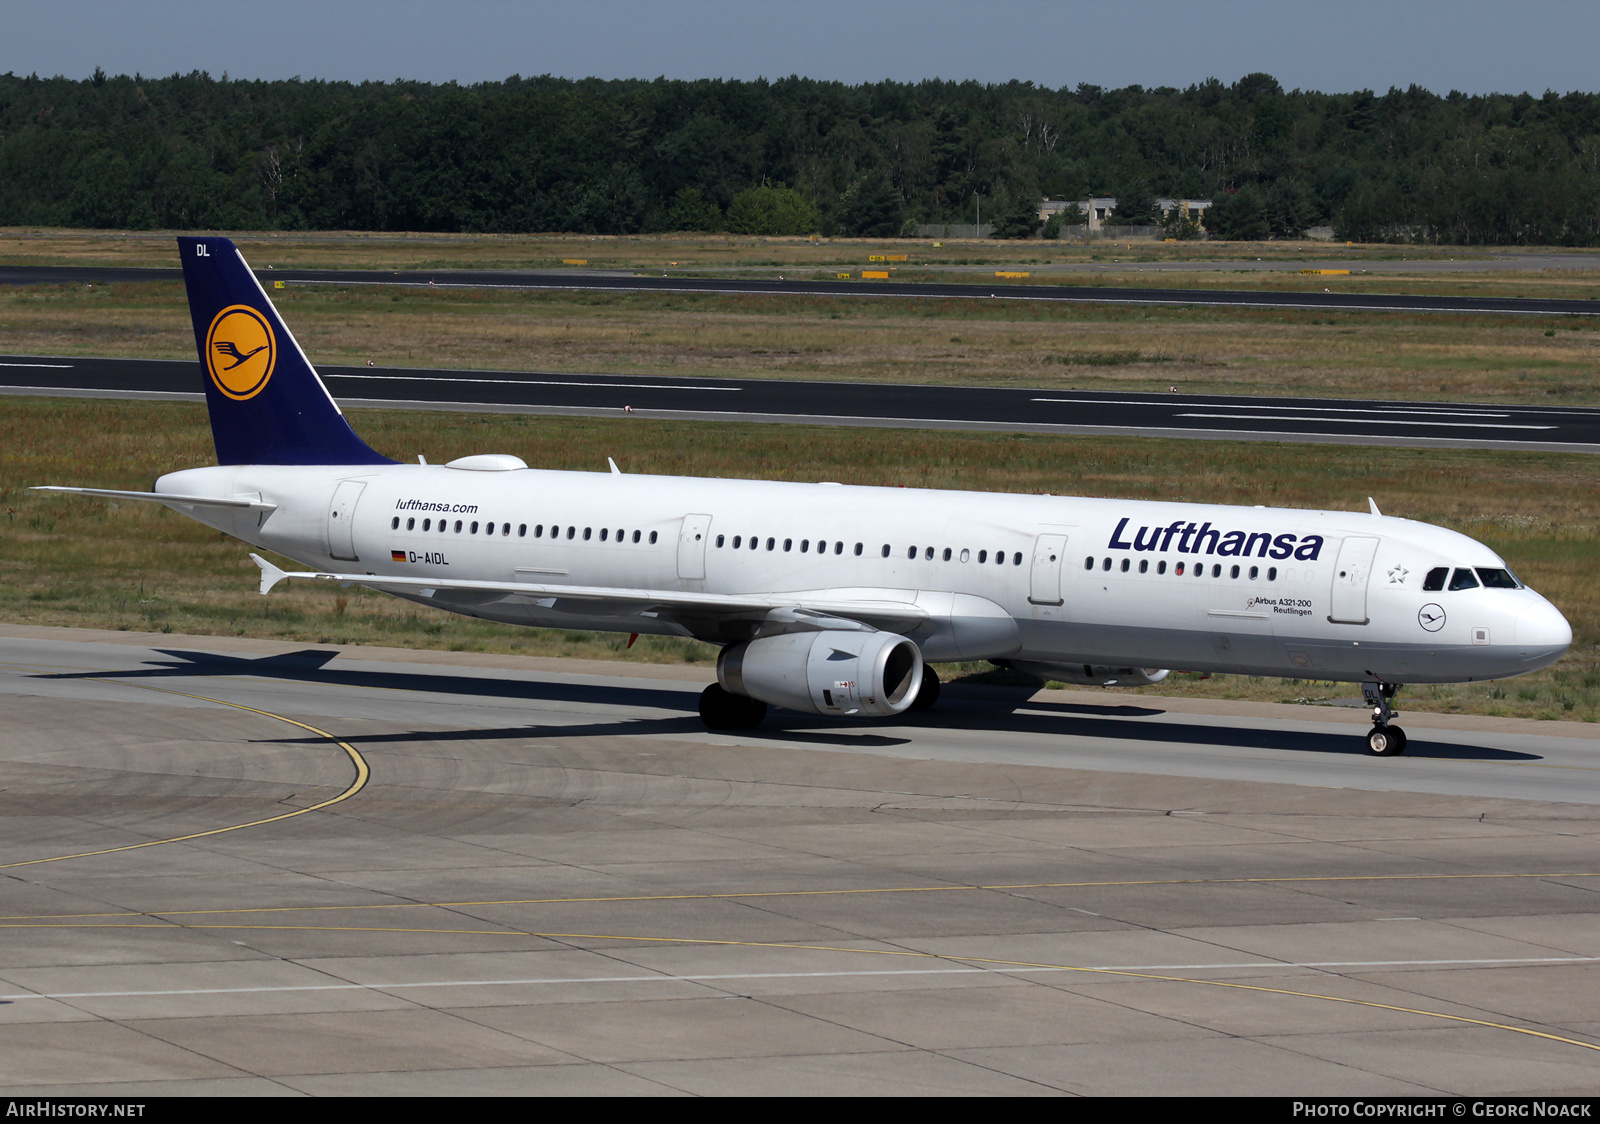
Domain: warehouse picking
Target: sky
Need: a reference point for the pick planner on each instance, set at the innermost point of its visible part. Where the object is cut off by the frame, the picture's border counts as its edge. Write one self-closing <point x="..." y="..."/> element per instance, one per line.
<point x="1475" y="46"/>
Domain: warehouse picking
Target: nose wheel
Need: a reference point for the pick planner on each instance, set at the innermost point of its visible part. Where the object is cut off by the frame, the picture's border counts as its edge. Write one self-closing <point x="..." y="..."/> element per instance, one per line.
<point x="1383" y="740"/>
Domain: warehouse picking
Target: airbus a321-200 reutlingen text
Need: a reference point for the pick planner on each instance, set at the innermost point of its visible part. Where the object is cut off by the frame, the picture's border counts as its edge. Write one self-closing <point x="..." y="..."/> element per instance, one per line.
<point x="831" y="599"/>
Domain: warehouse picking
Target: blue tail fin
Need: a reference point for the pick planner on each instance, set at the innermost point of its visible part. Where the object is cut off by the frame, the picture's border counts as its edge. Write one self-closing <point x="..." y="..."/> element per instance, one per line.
<point x="267" y="404"/>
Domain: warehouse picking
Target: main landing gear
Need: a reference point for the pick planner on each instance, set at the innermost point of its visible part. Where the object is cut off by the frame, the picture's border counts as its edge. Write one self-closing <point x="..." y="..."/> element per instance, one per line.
<point x="724" y="710"/>
<point x="1383" y="740"/>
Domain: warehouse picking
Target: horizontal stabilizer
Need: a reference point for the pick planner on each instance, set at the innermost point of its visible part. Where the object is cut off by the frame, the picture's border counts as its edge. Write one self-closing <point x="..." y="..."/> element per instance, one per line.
<point x="240" y="503"/>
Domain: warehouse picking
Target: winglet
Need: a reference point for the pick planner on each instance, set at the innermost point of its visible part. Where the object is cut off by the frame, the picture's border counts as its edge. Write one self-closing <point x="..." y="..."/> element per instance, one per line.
<point x="1372" y="503"/>
<point x="270" y="574"/>
<point x="615" y="471"/>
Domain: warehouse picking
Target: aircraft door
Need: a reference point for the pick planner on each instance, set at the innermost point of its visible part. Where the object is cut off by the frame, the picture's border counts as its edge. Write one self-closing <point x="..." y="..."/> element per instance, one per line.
<point x="692" y="547"/>
<point x="1044" y="584"/>
<point x="1348" y="604"/>
<point x="342" y="520"/>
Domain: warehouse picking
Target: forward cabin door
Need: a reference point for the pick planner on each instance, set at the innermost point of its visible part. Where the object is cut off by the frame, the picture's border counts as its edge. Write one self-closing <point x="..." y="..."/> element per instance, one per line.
<point x="1044" y="582"/>
<point x="692" y="547"/>
<point x="1349" y="602"/>
<point x="342" y="520"/>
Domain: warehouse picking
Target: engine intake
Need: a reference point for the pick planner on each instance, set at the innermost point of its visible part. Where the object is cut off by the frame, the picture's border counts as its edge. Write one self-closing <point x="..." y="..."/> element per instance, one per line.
<point x="866" y="674"/>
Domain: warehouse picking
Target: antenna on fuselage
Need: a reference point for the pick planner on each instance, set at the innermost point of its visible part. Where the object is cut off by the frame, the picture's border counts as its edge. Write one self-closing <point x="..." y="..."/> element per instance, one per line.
<point x="615" y="471"/>
<point x="1372" y="503"/>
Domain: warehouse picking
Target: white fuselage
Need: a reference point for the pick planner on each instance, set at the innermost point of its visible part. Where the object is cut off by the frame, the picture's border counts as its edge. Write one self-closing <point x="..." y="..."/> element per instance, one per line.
<point x="1054" y="580"/>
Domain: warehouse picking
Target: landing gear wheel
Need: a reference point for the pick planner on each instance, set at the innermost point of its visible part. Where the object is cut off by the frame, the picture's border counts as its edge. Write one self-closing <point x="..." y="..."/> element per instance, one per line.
<point x="724" y="710"/>
<point x="1386" y="741"/>
<point x="928" y="693"/>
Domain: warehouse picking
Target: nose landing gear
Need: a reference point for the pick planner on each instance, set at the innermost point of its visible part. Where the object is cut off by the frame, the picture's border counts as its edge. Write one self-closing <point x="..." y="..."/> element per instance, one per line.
<point x="1383" y="740"/>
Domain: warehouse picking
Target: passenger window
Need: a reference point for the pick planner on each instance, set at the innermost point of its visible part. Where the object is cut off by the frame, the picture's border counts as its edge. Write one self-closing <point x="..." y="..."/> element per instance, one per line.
<point x="1017" y="558"/>
<point x="474" y="528"/>
<point x="636" y="538"/>
<point x="1144" y="565"/>
<point x="719" y="542"/>
<point x="652" y="538"/>
<point x="572" y="533"/>
<point x="772" y="544"/>
<point x="1435" y="579"/>
<point x="394" y="524"/>
<point x="858" y="549"/>
<point x="522" y="530"/>
<point x="787" y="543"/>
<point x="947" y="554"/>
<point x="838" y="548"/>
<point x="1272" y="573"/>
<point x="1161" y="566"/>
<point x="1497" y="579"/>
<point x="587" y="531"/>
<point x="1463" y="579"/>
<point x="1178" y="571"/>
<point x="966" y="555"/>
<point x="928" y="554"/>
<point x="505" y="529"/>
<point x="427" y="524"/>
<point x="805" y="545"/>
<point x="1233" y="573"/>
<point x="488" y="528"/>
<point x="1254" y="570"/>
<point x="604" y="531"/>
<point x="885" y="550"/>
<point x="458" y="526"/>
<point x="1088" y="563"/>
<point x="1106" y="565"/>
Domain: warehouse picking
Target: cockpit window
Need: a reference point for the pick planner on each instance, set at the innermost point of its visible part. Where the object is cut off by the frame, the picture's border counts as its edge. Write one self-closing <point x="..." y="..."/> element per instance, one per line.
<point x="1498" y="579"/>
<point x="1463" y="579"/>
<point x="1435" y="579"/>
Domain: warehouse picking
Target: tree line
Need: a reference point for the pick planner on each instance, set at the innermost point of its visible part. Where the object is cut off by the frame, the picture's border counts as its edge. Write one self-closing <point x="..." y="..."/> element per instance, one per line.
<point x="789" y="156"/>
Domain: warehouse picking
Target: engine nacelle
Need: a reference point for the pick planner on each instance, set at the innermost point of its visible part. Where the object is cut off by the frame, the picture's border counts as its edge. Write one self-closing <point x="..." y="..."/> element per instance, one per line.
<point x="866" y="674"/>
<point x="1091" y="675"/>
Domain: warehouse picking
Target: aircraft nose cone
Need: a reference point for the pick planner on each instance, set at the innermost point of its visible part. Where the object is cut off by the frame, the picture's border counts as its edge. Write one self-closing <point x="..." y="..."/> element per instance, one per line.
<point x="1542" y="630"/>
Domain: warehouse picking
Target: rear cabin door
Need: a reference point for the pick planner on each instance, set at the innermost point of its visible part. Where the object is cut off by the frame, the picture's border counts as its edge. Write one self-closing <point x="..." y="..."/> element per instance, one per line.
<point x="692" y="547"/>
<point x="1349" y="602"/>
<point x="342" y="519"/>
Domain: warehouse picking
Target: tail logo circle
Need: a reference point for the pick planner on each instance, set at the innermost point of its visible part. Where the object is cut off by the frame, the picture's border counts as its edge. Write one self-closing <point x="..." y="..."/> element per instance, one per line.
<point x="240" y="351"/>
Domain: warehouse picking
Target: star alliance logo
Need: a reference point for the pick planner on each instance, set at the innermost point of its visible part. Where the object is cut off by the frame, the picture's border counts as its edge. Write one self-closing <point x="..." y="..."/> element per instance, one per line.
<point x="1397" y="576"/>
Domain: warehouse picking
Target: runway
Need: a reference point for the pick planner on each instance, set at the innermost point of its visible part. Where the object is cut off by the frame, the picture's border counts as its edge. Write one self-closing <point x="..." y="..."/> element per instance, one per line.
<point x="1008" y="409"/>
<point x="240" y="866"/>
<point x="630" y="281"/>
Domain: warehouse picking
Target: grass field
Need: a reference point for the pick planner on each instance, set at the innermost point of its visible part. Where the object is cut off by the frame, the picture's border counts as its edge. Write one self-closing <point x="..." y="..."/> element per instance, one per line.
<point x="1537" y="360"/>
<point x="88" y="563"/>
<point x="371" y="250"/>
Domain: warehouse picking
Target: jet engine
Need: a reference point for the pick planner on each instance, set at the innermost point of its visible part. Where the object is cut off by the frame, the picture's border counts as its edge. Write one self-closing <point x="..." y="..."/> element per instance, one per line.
<point x="866" y="674"/>
<point x="1092" y="675"/>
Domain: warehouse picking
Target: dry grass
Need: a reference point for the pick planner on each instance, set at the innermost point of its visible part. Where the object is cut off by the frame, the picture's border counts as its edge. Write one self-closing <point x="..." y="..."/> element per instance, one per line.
<point x="963" y="342"/>
<point x="88" y="563"/>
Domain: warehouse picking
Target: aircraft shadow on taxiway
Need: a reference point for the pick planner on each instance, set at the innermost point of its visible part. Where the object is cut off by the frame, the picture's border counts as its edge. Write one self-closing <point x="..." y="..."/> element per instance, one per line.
<point x="984" y="709"/>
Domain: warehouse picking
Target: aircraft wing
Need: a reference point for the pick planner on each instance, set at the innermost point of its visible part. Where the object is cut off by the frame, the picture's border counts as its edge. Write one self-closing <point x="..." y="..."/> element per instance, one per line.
<point x="798" y="610"/>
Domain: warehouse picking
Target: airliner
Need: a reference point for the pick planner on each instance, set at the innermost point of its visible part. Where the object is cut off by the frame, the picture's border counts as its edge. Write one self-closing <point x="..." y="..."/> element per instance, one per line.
<point x="830" y="599"/>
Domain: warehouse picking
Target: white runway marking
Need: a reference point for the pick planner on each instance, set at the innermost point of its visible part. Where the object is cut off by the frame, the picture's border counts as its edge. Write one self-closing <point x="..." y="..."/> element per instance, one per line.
<point x="546" y="981"/>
